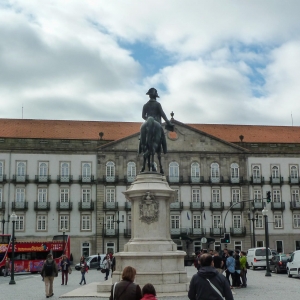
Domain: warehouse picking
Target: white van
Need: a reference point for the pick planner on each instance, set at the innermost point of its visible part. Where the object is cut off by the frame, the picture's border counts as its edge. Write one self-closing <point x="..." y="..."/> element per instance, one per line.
<point x="256" y="257"/>
<point x="293" y="264"/>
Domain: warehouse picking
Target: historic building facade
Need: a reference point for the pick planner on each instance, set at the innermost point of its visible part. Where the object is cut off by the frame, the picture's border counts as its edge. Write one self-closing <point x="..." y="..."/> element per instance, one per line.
<point x="69" y="176"/>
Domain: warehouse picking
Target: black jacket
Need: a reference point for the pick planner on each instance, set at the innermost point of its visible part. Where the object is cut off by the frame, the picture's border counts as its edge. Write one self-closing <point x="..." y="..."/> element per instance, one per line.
<point x="201" y="289"/>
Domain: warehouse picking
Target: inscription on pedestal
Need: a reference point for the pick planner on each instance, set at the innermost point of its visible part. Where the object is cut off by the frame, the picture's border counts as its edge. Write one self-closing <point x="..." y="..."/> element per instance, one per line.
<point x="149" y="208"/>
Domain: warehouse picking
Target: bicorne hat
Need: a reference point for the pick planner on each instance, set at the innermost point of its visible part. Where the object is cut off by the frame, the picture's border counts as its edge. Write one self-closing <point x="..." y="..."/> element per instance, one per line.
<point x="152" y="92"/>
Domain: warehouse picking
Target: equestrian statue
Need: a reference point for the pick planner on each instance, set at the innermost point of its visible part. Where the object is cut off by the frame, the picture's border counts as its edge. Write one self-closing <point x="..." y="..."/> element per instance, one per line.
<point x="152" y="136"/>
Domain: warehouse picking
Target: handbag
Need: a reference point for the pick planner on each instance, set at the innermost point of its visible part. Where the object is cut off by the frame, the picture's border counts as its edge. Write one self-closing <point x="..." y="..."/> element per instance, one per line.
<point x="70" y="270"/>
<point x="103" y="270"/>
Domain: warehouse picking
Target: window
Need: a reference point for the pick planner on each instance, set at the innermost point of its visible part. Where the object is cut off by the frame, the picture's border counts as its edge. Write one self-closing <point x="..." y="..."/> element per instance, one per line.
<point x="64" y="195"/>
<point x="235" y="195"/>
<point x="259" y="244"/>
<point x="110" y="195"/>
<point x="234" y="168"/>
<point x="294" y="173"/>
<point x="276" y="196"/>
<point x="179" y="244"/>
<point x="175" y="222"/>
<point x="277" y="221"/>
<point x="279" y="246"/>
<point x="86" y="195"/>
<point x="1" y="195"/>
<point x="1" y="170"/>
<point x="64" y="221"/>
<point x="19" y="224"/>
<point x="195" y="172"/>
<point x="85" y="222"/>
<point x="65" y="169"/>
<point x="238" y="245"/>
<point x="110" y="171"/>
<point x="215" y="172"/>
<point x="42" y="195"/>
<point x="131" y="171"/>
<point x="295" y="195"/>
<point x="256" y="172"/>
<point x="174" y="172"/>
<point x="217" y="246"/>
<point x="217" y="223"/>
<point x="197" y="246"/>
<point x="197" y="221"/>
<point x="237" y="221"/>
<point x="43" y="169"/>
<point x="215" y="195"/>
<point x="110" y="248"/>
<point x="257" y="196"/>
<point x="176" y="195"/>
<point x="275" y="172"/>
<point x="86" y="172"/>
<point x="195" y="195"/>
<point x="110" y="224"/>
<point x="21" y="168"/>
<point x="297" y="245"/>
<point x="296" y="220"/>
<point x="259" y="222"/>
<point x="41" y="223"/>
<point x="20" y="194"/>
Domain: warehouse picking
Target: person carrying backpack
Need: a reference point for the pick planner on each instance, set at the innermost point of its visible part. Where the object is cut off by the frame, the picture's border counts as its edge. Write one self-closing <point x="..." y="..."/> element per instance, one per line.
<point x="49" y="271"/>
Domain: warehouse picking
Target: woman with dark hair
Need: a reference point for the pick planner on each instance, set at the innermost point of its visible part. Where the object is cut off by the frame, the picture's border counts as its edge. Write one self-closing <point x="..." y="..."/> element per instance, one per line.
<point x="148" y="292"/>
<point x="126" y="289"/>
<point x="230" y="264"/>
<point x="83" y="269"/>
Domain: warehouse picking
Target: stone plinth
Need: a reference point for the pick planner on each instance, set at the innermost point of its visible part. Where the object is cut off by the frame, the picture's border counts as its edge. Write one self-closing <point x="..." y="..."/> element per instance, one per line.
<point x="151" y="250"/>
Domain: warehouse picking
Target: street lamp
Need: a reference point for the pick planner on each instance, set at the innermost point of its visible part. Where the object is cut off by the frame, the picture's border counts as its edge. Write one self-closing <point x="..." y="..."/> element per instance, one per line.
<point x="265" y="214"/>
<point x="13" y="218"/>
<point x="253" y="219"/>
<point x="63" y="230"/>
<point x="3" y="221"/>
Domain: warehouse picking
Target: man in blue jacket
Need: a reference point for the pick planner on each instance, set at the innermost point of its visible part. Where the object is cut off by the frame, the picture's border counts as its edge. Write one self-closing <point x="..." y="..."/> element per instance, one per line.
<point x="208" y="284"/>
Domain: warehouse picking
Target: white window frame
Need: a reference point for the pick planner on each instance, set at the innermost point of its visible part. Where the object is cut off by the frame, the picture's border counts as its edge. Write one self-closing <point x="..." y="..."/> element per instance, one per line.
<point x="294" y="174"/>
<point x="110" y="224"/>
<point x="42" y="195"/>
<point x="275" y="172"/>
<point x="217" y="221"/>
<point x="110" y="194"/>
<point x="197" y="221"/>
<point x="237" y="221"/>
<point x="257" y="196"/>
<point x="1" y="194"/>
<point x="256" y="172"/>
<point x="238" y="245"/>
<point x="259" y="223"/>
<point x="20" y="195"/>
<point x="296" y="220"/>
<point x="174" y="172"/>
<point x="21" y="168"/>
<point x="235" y="195"/>
<point x="64" y="195"/>
<point x="195" y="172"/>
<point x="215" y="172"/>
<point x="65" y="169"/>
<point x="278" y="224"/>
<point x="86" y="194"/>
<point x="196" y="195"/>
<point x="295" y="195"/>
<point x="43" y="168"/>
<point x="175" y="221"/>
<point x="86" y="222"/>
<point x="64" y="222"/>
<point x="86" y="171"/>
<point x="131" y="171"/>
<point x="276" y="196"/>
<point x="41" y="223"/>
<point x="20" y="223"/>
<point x="1" y="170"/>
<point x="234" y="172"/>
<point x="215" y="196"/>
<point x="110" y="171"/>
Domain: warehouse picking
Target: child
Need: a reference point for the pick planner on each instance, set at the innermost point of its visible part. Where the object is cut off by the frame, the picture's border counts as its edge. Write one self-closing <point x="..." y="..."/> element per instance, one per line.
<point x="148" y="292"/>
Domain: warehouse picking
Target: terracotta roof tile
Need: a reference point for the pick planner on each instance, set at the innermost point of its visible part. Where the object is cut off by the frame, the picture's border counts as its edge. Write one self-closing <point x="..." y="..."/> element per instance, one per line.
<point x="89" y="130"/>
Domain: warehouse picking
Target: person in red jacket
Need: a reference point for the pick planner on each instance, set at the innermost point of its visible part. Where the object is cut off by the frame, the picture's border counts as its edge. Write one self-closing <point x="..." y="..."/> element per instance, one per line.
<point x="148" y="292"/>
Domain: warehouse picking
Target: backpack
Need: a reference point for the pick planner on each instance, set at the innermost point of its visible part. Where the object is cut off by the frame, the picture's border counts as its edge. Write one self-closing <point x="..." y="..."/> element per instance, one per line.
<point x="48" y="268"/>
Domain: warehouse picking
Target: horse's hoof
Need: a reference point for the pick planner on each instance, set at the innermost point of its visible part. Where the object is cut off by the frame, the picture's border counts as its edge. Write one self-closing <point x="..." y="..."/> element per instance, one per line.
<point x="162" y="171"/>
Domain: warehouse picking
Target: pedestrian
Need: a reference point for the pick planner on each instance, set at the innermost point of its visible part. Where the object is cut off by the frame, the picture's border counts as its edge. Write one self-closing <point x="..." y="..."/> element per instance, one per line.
<point x="107" y="266"/>
<point x="126" y="288"/>
<point x="230" y="264"/>
<point x="98" y="261"/>
<point x="237" y="273"/>
<point x="7" y="267"/>
<point x="49" y="271"/>
<point x="65" y="265"/>
<point x="83" y="269"/>
<point x="224" y="257"/>
<point x="196" y="261"/>
<point x="208" y="283"/>
<point x="148" y="292"/>
<point x="218" y="262"/>
<point x="243" y="265"/>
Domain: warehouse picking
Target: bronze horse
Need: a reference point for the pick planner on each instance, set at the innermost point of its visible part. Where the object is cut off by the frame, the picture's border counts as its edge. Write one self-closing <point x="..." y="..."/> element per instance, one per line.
<point x="151" y="143"/>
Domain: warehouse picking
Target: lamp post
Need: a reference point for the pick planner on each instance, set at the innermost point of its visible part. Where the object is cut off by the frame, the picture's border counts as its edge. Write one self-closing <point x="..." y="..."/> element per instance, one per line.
<point x="13" y="218"/>
<point x="265" y="214"/>
<point x="118" y="222"/>
<point x="64" y="245"/>
<point x="253" y="219"/>
<point x="3" y="221"/>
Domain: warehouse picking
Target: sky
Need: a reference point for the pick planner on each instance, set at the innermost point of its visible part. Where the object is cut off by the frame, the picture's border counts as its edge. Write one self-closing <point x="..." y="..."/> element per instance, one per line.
<point x="212" y="62"/>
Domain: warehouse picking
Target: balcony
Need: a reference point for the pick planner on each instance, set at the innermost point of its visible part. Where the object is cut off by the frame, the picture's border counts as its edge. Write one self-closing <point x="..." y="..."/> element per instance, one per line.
<point x="87" y="179"/>
<point x="175" y="179"/>
<point x="276" y="180"/>
<point x="294" y="205"/>
<point x="127" y="206"/>
<point x="216" y="206"/>
<point x="293" y="180"/>
<point x="64" y="206"/>
<point x="86" y="206"/>
<point x="196" y="179"/>
<point x="110" y="179"/>
<point x="20" y="178"/>
<point x="110" y="232"/>
<point x="2" y="178"/>
<point x="110" y="206"/>
<point x="180" y="232"/>
<point x="64" y="178"/>
<point x="198" y="231"/>
<point x="41" y="206"/>
<point x="19" y="206"/>
<point x="241" y="231"/>
<point x="127" y="233"/>
<point x="237" y="206"/>
<point x="197" y="206"/>
<point x="258" y="205"/>
<point x="278" y="206"/>
<point x="216" y="180"/>
<point x="129" y="179"/>
<point x="42" y="178"/>
<point x="176" y="206"/>
<point x="236" y="180"/>
<point x="217" y="231"/>
<point x="257" y="180"/>
<point x="2" y="206"/>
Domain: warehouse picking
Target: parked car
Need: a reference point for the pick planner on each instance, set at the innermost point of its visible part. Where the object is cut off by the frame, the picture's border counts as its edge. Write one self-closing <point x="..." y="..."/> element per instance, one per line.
<point x="293" y="264"/>
<point x="92" y="262"/>
<point x="256" y="257"/>
<point x="278" y="263"/>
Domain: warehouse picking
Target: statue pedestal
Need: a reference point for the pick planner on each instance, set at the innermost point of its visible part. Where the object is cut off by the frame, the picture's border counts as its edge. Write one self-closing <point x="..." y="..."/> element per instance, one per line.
<point x="151" y="250"/>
